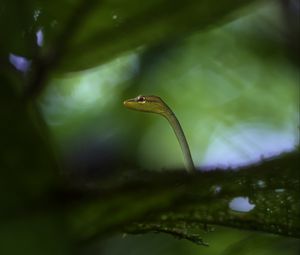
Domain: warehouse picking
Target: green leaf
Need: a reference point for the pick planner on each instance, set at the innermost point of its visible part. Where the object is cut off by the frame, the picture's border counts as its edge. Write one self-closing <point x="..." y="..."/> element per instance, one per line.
<point x="97" y="31"/>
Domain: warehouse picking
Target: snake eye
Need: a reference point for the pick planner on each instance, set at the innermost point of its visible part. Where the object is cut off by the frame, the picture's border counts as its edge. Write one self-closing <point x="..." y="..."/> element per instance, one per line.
<point x="141" y="99"/>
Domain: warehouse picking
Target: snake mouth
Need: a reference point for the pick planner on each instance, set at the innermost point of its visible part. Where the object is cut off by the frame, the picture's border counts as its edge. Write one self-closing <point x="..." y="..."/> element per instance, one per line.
<point x="128" y="101"/>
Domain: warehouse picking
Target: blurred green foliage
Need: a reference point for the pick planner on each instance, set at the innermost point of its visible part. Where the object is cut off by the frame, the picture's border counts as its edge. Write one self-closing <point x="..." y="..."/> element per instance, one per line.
<point x="227" y="68"/>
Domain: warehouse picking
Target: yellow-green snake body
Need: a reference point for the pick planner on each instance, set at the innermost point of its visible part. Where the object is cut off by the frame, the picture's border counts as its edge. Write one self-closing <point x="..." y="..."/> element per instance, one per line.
<point x="155" y="104"/>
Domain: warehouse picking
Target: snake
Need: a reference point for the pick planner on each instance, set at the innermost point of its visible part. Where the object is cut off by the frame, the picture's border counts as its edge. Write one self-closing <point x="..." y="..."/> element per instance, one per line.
<point x="154" y="104"/>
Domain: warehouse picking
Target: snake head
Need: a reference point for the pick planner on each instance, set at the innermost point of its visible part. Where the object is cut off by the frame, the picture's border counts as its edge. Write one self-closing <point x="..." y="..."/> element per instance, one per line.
<point x="142" y="103"/>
